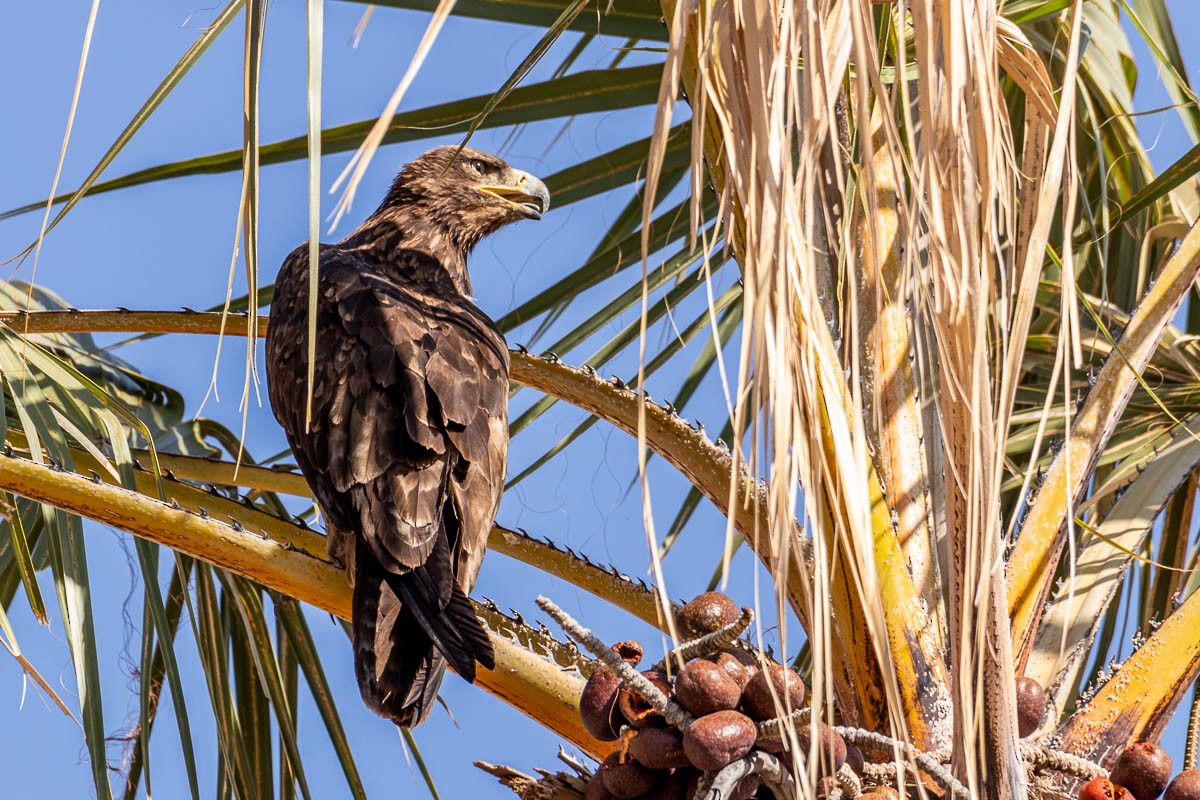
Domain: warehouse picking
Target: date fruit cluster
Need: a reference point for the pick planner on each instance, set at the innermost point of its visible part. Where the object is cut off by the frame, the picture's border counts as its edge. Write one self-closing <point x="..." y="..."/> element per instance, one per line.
<point x="727" y="696"/>
<point x="1143" y="772"/>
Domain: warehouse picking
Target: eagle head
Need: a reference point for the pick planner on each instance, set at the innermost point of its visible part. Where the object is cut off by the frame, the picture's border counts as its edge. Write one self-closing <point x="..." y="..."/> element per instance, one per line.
<point x="468" y="193"/>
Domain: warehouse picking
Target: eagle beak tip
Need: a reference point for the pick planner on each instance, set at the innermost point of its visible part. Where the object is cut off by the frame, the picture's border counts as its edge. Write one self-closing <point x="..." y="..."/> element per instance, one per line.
<point x="536" y="190"/>
<point x="527" y="195"/>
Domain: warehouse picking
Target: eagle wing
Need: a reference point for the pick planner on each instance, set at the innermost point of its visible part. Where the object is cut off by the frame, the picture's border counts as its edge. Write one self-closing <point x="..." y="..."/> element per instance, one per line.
<point x="405" y="451"/>
<point x="434" y="380"/>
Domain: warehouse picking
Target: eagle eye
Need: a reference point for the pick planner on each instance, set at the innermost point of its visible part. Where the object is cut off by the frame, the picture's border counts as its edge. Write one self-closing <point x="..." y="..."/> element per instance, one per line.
<point x="477" y="166"/>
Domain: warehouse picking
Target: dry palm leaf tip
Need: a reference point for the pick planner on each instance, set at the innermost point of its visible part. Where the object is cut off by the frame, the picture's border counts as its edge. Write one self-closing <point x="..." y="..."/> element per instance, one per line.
<point x="719" y="719"/>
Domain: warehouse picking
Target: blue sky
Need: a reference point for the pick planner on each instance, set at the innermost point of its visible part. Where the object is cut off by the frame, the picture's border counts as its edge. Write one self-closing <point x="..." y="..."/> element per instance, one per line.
<point x="167" y="245"/>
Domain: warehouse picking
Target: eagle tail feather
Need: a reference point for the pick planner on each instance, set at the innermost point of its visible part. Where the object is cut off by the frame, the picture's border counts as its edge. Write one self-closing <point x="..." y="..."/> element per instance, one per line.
<point x="403" y="638"/>
<point x="454" y="630"/>
<point x="460" y="613"/>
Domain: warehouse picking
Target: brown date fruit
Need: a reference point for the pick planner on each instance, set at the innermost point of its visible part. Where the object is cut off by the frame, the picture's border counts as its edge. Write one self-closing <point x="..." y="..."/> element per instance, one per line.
<point x="626" y="780"/>
<point x="1186" y="786"/>
<point x="1031" y="706"/>
<point x="831" y="748"/>
<point x="773" y="741"/>
<point x="734" y="668"/>
<point x="758" y="699"/>
<point x="854" y="757"/>
<point x="880" y="793"/>
<point x="714" y="741"/>
<point x="637" y="711"/>
<point x="595" y="789"/>
<point x="658" y="748"/>
<point x="1102" y="789"/>
<point x="702" y="687"/>
<point x="706" y="613"/>
<point x="1144" y="769"/>
<point x="671" y="787"/>
<point x="598" y="702"/>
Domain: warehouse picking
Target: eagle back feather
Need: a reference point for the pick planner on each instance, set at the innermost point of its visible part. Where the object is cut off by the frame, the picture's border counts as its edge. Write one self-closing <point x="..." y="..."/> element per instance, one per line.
<point x="409" y="405"/>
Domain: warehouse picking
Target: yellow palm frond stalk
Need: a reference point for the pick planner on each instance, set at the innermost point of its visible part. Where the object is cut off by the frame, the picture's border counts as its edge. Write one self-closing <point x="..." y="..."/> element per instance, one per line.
<point x="1045" y="531"/>
<point x="295" y="565"/>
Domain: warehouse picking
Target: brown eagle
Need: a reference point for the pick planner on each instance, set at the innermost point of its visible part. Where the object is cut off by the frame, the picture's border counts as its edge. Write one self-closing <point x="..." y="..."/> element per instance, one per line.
<point x="406" y="447"/>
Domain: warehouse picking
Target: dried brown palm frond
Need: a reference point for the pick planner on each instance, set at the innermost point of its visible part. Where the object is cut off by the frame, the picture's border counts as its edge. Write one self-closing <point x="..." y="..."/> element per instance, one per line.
<point x="877" y="226"/>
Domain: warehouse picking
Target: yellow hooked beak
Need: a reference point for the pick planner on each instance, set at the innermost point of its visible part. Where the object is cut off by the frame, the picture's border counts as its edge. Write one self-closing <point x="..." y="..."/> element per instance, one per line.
<point x="527" y="195"/>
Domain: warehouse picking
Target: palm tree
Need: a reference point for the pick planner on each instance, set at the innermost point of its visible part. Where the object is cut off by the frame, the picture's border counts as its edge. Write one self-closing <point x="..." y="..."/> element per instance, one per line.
<point x="949" y="366"/>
